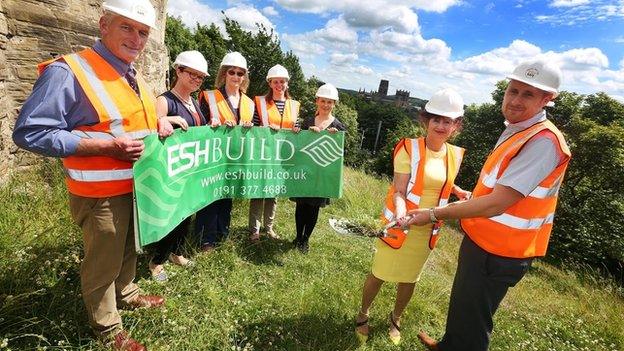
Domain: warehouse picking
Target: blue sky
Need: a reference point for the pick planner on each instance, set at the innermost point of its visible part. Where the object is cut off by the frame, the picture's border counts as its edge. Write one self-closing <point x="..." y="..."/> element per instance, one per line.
<point x="425" y="45"/>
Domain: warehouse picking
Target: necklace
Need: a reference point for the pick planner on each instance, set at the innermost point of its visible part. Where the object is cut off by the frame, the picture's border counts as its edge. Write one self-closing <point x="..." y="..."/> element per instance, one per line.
<point x="188" y="103"/>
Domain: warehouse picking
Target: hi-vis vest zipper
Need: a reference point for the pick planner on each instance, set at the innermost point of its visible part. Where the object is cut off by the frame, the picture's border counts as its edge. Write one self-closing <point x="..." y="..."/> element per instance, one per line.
<point x="269" y="114"/>
<point x="416" y="149"/>
<point x="523" y="230"/>
<point x="220" y="111"/>
<point x="121" y="113"/>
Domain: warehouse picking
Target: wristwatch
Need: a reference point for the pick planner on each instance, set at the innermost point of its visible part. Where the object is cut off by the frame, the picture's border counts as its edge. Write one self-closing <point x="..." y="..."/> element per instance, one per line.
<point x="432" y="216"/>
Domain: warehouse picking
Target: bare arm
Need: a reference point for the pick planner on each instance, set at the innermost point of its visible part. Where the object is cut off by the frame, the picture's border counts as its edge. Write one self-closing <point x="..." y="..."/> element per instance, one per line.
<point x="400" y="181"/>
<point x="495" y="203"/>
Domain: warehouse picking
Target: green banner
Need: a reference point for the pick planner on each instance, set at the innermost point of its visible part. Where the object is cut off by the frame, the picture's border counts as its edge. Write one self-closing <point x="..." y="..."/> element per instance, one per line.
<point x="177" y="176"/>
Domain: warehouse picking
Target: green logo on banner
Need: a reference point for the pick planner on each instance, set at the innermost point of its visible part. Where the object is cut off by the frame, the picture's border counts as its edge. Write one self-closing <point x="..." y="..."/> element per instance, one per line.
<point x="183" y="173"/>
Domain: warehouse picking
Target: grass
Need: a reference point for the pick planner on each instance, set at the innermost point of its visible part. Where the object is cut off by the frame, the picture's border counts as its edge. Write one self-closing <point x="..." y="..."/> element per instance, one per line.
<point x="266" y="296"/>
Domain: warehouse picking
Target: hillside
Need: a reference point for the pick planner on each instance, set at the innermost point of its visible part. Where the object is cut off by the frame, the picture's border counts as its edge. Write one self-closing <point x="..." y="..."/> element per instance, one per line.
<point x="267" y="296"/>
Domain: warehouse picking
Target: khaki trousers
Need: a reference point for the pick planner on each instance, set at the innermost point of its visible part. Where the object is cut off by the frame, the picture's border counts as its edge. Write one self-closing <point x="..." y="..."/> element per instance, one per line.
<point x="109" y="264"/>
<point x="256" y="209"/>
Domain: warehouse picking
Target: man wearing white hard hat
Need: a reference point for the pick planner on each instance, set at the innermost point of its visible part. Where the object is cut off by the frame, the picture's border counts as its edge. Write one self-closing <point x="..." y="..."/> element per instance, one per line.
<point x="92" y="109"/>
<point x="425" y="169"/>
<point x="308" y="208"/>
<point x="509" y="218"/>
<point x="181" y="109"/>
<point x="226" y="105"/>
<point x="276" y="110"/>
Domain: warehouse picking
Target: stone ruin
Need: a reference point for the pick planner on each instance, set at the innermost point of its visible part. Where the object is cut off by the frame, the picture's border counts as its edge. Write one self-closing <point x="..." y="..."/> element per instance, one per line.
<point x="33" y="31"/>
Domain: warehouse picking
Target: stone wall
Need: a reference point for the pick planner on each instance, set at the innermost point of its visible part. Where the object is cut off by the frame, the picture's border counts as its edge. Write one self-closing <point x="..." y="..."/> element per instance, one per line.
<point x="32" y="31"/>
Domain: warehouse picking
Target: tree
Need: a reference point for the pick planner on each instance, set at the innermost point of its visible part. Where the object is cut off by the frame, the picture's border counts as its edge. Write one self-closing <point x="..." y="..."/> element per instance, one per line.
<point x="603" y="109"/>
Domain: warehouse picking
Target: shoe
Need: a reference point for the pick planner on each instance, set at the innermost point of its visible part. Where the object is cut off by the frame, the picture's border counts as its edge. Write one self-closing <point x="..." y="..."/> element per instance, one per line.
<point x="180" y="260"/>
<point x="123" y="342"/>
<point x="254" y="237"/>
<point x="158" y="272"/>
<point x="395" y="339"/>
<point x="147" y="301"/>
<point x="362" y="338"/>
<point x="272" y="234"/>
<point x="430" y="343"/>
<point x="303" y="247"/>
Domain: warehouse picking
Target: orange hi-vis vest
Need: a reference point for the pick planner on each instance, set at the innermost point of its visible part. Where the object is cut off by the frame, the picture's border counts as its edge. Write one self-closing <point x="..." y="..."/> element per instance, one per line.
<point x="523" y="230"/>
<point x="220" y="110"/>
<point x="121" y="113"/>
<point x="269" y="114"/>
<point x="417" y="151"/>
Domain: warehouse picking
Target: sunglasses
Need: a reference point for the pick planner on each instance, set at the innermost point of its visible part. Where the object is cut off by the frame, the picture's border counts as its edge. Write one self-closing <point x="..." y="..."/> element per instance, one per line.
<point x="194" y="76"/>
<point x="238" y="73"/>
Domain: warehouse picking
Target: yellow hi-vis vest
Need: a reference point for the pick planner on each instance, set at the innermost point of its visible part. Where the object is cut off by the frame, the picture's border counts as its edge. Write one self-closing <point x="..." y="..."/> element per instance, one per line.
<point x="121" y="113"/>
<point x="220" y="110"/>
<point x="269" y="114"/>
<point x="416" y="149"/>
<point x="523" y="230"/>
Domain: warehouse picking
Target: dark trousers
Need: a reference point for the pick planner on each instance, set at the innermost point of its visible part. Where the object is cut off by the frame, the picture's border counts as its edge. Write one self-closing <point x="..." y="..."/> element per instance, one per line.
<point x="306" y="216"/>
<point x="172" y="243"/>
<point x="212" y="223"/>
<point x="480" y="284"/>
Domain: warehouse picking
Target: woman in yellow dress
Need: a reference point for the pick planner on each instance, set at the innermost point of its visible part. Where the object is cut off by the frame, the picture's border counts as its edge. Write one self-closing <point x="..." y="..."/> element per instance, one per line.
<point x="424" y="174"/>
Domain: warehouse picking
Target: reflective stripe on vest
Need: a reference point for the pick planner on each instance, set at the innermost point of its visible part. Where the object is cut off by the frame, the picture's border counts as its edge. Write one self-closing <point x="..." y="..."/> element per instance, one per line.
<point x="121" y="113"/>
<point x="416" y="150"/>
<point x="269" y="113"/>
<point x="220" y="110"/>
<point x="522" y="230"/>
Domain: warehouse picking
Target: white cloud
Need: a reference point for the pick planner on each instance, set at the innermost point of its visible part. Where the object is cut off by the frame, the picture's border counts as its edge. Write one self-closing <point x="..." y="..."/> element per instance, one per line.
<point x="193" y="11"/>
<point x="568" y="3"/>
<point x="573" y="12"/>
<point x="342" y="59"/>
<point x="622" y="64"/>
<point x="270" y="11"/>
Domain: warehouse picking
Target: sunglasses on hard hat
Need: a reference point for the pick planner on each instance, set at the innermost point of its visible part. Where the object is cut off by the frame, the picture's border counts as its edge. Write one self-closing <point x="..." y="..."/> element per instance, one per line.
<point x="234" y="72"/>
<point x="193" y="75"/>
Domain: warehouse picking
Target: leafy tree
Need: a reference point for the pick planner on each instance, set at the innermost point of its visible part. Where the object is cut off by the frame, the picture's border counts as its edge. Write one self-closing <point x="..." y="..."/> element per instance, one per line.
<point x="404" y="129"/>
<point x="603" y="109"/>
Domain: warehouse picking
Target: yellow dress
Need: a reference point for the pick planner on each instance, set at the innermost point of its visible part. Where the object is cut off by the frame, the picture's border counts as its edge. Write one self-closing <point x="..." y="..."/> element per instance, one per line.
<point x="405" y="264"/>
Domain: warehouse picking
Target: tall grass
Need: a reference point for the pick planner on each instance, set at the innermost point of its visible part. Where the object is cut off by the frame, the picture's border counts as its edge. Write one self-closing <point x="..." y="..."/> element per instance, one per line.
<point x="267" y="296"/>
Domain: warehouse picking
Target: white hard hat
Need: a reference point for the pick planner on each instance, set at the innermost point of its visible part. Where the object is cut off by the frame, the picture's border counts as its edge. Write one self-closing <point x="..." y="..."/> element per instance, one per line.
<point x="277" y="71"/>
<point x="327" y="91"/>
<point x="540" y="74"/>
<point x="141" y="11"/>
<point x="234" y="59"/>
<point x="446" y="102"/>
<point x="192" y="59"/>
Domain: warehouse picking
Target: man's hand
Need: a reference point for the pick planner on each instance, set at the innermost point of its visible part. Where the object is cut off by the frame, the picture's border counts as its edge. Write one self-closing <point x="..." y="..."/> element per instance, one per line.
<point x="125" y="149"/>
<point x="419" y="217"/>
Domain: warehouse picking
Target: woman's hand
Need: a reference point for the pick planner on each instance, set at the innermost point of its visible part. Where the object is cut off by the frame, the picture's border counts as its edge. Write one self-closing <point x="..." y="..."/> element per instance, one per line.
<point x="419" y="217"/>
<point x="461" y="194"/>
<point x="296" y="130"/>
<point x="274" y="127"/>
<point x="315" y="129"/>
<point x="246" y="124"/>
<point x="165" y="128"/>
<point x="332" y="130"/>
<point x="230" y="124"/>
<point x="215" y="124"/>
<point x="177" y="120"/>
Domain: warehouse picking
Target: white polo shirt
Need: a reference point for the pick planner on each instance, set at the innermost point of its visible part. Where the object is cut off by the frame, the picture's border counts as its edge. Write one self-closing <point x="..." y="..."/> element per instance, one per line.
<point x="535" y="161"/>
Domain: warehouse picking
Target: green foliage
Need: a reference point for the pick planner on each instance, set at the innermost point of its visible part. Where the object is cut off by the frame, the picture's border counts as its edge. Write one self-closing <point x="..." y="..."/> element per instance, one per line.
<point x="482" y="125"/>
<point x="267" y="296"/>
<point x="603" y="109"/>
<point x="404" y="129"/>
<point x="261" y="49"/>
<point x="369" y="117"/>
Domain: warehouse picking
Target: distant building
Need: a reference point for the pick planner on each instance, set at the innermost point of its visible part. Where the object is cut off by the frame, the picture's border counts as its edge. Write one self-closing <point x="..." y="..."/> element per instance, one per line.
<point x="401" y="98"/>
<point x="382" y="92"/>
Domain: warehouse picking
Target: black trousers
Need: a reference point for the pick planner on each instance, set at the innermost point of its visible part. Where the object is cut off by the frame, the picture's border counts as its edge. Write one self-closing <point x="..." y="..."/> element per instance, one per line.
<point x="212" y="223"/>
<point x="481" y="282"/>
<point x="172" y="243"/>
<point x="306" y="216"/>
